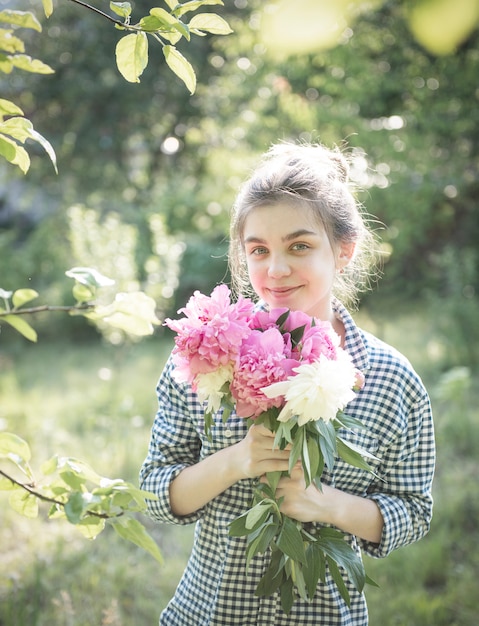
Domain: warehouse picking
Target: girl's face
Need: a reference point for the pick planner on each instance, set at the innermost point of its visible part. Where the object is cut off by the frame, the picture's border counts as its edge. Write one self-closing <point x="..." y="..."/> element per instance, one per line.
<point x="290" y="260"/>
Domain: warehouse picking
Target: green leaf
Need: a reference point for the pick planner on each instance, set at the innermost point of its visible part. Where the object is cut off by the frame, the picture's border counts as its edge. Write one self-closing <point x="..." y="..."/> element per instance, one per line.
<point x="314" y="569"/>
<point x="290" y="541"/>
<point x="170" y="21"/>
<point x="5" y="294"/>
<point x="296" y="449"/>
<point x="90" y="526"/>
<point x="297" y="335"/>
<point x="193" y="5"/>
<point x="181" y="67"/>
<point x="333" y="544"/>
<point x="46" y="145"/>
<point x="266" y="536"/>
<point x="123" y="9"/>
<point x="8" y="148"/>
<point x="21" y="326"/>
<point x="26" y="63"/>
<point x="284" y="433"/>
<point x="89" y="277"/>
<point x="10" y="443"/>
<point x="13" y="153"/>
<point x="298" y="579"/>
<point x="83" y="293"/>
<point x="153" y="24"/>
<point x="210" y="23"/>
<point x="24" y="503"/>
<point x="47" y="7"/>
<point x="132" y="312"/>
<point x="338" y="579"/>
<point x="354" y="454"/>
<point x="282" y="318"/>
<point x="74" y="507"/>
<point x="6" y="484"/>
<point x="72" y="479"/>
<point x="327" y="442"/>
<point x="79" y="468"/>
<point x="273" y="576"/>
<point x="273" y="479"/>
<point x="6" y="66"/>
<point x="237" y="527"/>
<point x="257" y="515"/>
<point x="24" y="19"/>
<point x="119" y="487"/>
<point x="287" y="596"/>
<point x="442" y="26"/>
<point x="9" y="43"/>
<point x="132" y="56"/>
<point x="22" y="296"/>
<point x="315" y="457"/>
<point x="132" y="530"/>
<point x="349" y="422"/>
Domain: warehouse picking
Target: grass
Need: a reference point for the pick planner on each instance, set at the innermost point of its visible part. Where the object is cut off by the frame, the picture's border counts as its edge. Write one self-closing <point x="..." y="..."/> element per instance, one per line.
<point x="97" y="403"/>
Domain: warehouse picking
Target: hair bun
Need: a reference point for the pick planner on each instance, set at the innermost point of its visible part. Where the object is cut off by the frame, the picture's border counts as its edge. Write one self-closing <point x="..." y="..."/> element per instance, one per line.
<point x="315" y="157"/>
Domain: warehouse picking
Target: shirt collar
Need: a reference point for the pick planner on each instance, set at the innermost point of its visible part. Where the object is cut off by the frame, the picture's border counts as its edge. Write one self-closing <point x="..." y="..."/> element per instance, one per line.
<point x="354" y="341"/>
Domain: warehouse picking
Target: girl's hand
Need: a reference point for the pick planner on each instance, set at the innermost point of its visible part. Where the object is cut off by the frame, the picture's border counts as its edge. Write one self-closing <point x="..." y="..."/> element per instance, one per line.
<point x="305" y="504"/>
<point x="255" y="456"/>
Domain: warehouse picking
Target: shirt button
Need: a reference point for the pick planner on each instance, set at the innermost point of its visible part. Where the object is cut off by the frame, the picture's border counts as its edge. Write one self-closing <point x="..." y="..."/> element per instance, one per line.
<point x="228" y="433"/>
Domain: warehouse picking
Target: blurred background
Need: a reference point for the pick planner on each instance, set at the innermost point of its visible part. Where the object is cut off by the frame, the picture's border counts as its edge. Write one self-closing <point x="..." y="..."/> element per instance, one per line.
<point x="147" y="176"/>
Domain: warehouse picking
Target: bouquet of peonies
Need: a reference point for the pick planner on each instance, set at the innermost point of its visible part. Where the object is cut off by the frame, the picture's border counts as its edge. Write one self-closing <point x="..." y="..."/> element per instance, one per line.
<point x="285" y="370"/>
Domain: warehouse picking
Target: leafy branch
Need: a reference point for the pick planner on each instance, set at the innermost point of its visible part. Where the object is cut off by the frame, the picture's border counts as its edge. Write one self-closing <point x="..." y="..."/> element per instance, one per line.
<point x="76" y="493"/>
<point x="133" y="312"/>
<point x="31" y="489"/>
<point x="165" y="27"/>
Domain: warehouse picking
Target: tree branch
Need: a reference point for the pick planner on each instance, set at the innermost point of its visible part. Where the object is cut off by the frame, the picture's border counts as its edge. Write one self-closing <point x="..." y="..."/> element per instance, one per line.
<point x="47" y="307"/>
<point x="95" y="10"/>
<point x="40" y="496"/>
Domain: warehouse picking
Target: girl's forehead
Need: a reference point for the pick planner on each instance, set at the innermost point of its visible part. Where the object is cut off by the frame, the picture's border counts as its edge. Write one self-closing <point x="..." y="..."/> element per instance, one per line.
<point x="282" y="215"/>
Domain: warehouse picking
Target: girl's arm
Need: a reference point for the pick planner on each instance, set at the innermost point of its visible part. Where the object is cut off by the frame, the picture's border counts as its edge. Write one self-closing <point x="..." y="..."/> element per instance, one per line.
<point x="350" y="513"/>
<point x="198" y="484"/>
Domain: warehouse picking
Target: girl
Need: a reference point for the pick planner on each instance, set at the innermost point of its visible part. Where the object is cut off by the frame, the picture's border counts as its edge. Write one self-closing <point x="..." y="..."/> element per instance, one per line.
<point x="297" y="238"/>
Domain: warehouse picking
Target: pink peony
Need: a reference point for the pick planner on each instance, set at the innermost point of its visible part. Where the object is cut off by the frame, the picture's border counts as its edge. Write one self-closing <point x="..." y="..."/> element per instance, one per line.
<point x="262" y="320"/>
<point x="318" y="340"/>
<point x="211" y="334"/>
<point x="262" y="362"/>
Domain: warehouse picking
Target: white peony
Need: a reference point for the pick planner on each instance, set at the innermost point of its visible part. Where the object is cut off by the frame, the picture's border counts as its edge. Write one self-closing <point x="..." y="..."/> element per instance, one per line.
<point x="208" y="386"/>
<point x="318" y="390"/>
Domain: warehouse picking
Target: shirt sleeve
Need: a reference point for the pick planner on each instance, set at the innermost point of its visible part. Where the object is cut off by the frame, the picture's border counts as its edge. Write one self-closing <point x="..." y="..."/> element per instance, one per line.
<point x="174" y="445"/>
<point x="404" y="494"/>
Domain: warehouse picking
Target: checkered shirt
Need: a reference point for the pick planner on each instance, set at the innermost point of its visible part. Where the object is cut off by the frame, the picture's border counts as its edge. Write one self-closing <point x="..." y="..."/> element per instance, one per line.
<point x="215" y="590"/>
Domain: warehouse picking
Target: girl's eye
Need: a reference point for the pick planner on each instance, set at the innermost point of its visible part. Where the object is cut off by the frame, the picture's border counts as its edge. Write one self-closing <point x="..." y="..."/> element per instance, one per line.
<point x="258" y="251"/>
<point x="300" y="246"/>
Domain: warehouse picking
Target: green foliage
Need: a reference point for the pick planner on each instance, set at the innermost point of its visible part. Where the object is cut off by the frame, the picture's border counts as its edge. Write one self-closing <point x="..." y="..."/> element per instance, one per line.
<point x="164" y="26"/>
<point x="133" y="312"/>
<point x="76" y="493"/>
<point x="15" y="130"/>
<point x="454" y="305"/>
<point x="300" y="556"/>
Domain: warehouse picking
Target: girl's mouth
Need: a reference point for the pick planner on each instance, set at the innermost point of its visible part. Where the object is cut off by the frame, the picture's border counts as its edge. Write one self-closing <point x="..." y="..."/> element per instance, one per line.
<point x="281" y="292"/>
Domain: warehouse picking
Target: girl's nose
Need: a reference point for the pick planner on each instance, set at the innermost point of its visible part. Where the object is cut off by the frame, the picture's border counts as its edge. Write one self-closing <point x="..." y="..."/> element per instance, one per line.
<point x="278" y="266"/>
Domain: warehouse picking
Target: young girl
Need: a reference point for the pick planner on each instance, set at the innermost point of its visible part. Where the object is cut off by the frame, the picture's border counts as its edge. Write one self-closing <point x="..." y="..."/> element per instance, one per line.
<point x="297" y="238"/>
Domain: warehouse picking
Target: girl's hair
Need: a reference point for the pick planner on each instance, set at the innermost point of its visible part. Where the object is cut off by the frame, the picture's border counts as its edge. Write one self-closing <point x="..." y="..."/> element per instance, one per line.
<point x="314" y="176"/>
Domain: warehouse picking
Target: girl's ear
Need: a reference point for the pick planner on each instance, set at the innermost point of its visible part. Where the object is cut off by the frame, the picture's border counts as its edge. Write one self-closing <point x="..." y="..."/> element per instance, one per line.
<point x="345" y="254"/>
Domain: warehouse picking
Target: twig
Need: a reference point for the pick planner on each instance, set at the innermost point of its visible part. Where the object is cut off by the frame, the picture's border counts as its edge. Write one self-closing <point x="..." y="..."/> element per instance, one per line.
<point x="40" y="496"/>
<point x="47" y="307"/>
<point x="95" y="10"/>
